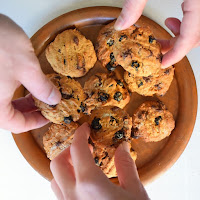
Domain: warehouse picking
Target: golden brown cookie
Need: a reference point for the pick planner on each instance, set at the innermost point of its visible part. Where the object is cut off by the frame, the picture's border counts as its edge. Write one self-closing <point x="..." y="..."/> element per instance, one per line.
<point x="104" y="158"/>
<point x="110" y="126"/>
<point x="71" y="54"/>
<point x="135" y="49"/>
<point x="152" y="122"/>
<point x="154" y="84"/>
<point x="103" y="90"/>
<point x="58" y="138"/>
<point x="71" y="105"/>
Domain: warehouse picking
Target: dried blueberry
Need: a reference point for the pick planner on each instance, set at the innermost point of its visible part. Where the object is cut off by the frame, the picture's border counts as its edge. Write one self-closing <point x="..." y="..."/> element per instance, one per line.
<point x="58" y="143"/>
<point x="140" y="84"/>
<point x="82" y="108"/>
<point x="110" y="67"/>
<point x="158" y="86"/>
<point x="64" y="61"/>
<point x="110" y="85"/>
<point x="119" y="134"/>
<point x="103" y="96"/>
<point x="110" y="42"/>
<point x="120" y="83"/>
<point x="122" y="37"/>
<point x="135" y="64"/>
<point x="96" y="160"/>
<point x="95" y="124"/>
<point x="151" y="39"/>
<point x="118" y="96"/>
<point x="59" y="50"/>
<point x="112" y="120"/>
<point x="157" y="120"/>
<point x="112" y="58"/>
<point x="52" y="106"/>
<point x="68" y="120"/>
<point x="69" y="77"/>
<point x="166" y="72"/>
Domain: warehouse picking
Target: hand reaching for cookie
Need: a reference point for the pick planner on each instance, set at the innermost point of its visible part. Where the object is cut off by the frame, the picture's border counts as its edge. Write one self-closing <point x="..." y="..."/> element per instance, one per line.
<point x="19" y="65"/>
<point x="77" y="177"/>
<point x="187" y="32"/>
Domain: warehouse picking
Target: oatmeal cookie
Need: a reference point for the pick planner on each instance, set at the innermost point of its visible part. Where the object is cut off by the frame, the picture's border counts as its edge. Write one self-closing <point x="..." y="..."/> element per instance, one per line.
<point x="71" y="54"/>
<point x="152" y="122"/>
<point x="71" y="105"/>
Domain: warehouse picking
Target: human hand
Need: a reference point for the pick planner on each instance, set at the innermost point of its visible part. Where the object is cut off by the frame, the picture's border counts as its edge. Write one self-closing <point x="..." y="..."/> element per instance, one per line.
<point x="77" y="177"/>
<point x="19" y="65"/>
<point x="187" y="32"/>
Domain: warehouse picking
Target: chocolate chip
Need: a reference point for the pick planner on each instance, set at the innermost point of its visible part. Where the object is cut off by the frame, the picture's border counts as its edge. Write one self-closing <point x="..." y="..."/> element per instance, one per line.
<point x="151" y="39"/>
<point x="166" y="72"/>
<point x="96" y="160"/>
<point x="110" y="42"/>
<point x="52" y="106"/>
<point x="157" y="120"/>
<point x="140" y="84"/>
<point x="118" y="96"/>
<point x="122" y="37"/>
<point x="147" y="79"/>
<point x="58" y="143"/>
<point x="135" y="64"/>
<point x="119" y="134"/>
<point x="103" y="96"/>
<point x="64" y="61"/>
<point x="120" y="83"/>
<point x="76" y="40"/>
<point x="68" y="120"/>
<point x="95" y="124"/>
<point x="110" y="67"/>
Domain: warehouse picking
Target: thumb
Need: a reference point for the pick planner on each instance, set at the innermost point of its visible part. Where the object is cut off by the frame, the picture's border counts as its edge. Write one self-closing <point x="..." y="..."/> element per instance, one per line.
<point x="130" y="13"/>
<point x="127" y="172"/>
<point x="38" y="84"/>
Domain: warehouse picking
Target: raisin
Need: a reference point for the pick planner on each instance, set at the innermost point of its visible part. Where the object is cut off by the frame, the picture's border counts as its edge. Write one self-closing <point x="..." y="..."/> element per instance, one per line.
<point x="76" y="40"/>
<point x="119" y="134"/>
<point x="110" y="67"/>
<point x="96" y="160"/>
<point x="157" y="120"/>
<point x="103" y="96"/>
<point x="110" y="42"/>
<point x="120" y="83"/>
<point x="95" y="124"/>
<point x="140" y="84"/>
<point x="151" y="39"/>
<point x="52" y="106"/>
<point x="118" y="96"/>
<point x="64" y="61"/>
<point x="58" y="143"/>
<point x="68" y="120"/>
<point x="135" y="64"/>
<point x="122" y="37"/>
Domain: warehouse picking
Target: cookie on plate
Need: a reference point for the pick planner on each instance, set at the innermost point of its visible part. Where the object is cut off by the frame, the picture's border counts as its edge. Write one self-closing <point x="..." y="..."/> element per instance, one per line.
<point x="103" y="90"/>
<point x="135" y="49"/>
<point x="152" y="122"/>
<point x="104" y="158"/>
<point x="154" y="84"/>
<point x="71" y="54"/>
<point x="71" y="105"/>
<point x="58" y="138"/>
<point x="110" y="126"/>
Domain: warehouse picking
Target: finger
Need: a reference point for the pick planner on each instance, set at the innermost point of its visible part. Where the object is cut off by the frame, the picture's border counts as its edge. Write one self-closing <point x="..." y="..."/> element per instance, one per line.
<point x="167" y="45"/>
<point x="63" y="172"/>
<point x="56" y="190"/>
<point x="189" y="34"/>
<point x="174" y="25"/>
<point x="17" y="122"/>
<point x="130" y="13"/>
<point x="127" y="172"/>
<point x="82" y="159"/>
<point x="25" y="104"/>
<point x="37" y="83"/>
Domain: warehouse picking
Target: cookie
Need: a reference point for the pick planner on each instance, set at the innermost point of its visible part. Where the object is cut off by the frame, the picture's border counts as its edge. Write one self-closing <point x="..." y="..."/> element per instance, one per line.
<point x="71" y="54"/>
<point x="71" y="105"/>
<point x="103" y="90"/>
<point x="135" y="49"/>
<point x="110" y="126"/>
<point x="58" y="138"/>
<point x="152" y="122"/>
<point x="154" y="84"/>
<point x="104" y="158"/>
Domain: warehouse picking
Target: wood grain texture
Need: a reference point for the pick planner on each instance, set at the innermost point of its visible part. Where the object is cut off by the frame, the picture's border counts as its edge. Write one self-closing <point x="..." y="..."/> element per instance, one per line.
<point x="181" y="99"/>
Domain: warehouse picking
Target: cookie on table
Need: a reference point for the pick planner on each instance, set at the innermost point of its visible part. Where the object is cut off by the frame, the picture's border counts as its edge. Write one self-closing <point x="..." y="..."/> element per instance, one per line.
<point x="104" y="158"/>
<point x="152" y="122"/>
<point x="58" y="138"/>
<point x="103" y="90"/>
<point x="154" y="84"/>
<point x="135" y="49"/>
<point x="110" y="126"/>
<point x="71" y="54"/>
<point x="70" y="107"/>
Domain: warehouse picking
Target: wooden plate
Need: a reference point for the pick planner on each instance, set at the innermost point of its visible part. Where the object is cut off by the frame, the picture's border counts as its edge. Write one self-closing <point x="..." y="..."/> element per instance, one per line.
<point x="181" y="99"/>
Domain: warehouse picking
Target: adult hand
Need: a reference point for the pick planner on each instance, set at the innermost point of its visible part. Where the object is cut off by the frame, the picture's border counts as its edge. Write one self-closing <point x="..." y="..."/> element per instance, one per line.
<point x="19" y="65"/>
<point x="187" y="32"/>
<point x="77" y="177"/>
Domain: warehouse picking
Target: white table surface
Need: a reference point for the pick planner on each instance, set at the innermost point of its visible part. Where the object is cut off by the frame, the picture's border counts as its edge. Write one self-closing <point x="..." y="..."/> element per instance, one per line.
<point x="17" y="178"/>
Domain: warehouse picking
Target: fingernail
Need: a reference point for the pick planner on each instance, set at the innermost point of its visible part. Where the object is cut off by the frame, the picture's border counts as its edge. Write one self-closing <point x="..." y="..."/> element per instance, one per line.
<point x="163" y="67"/>
<point x="119" y="24"/>
<point x="126" y="146"/>
<point x="54" y="97"/>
